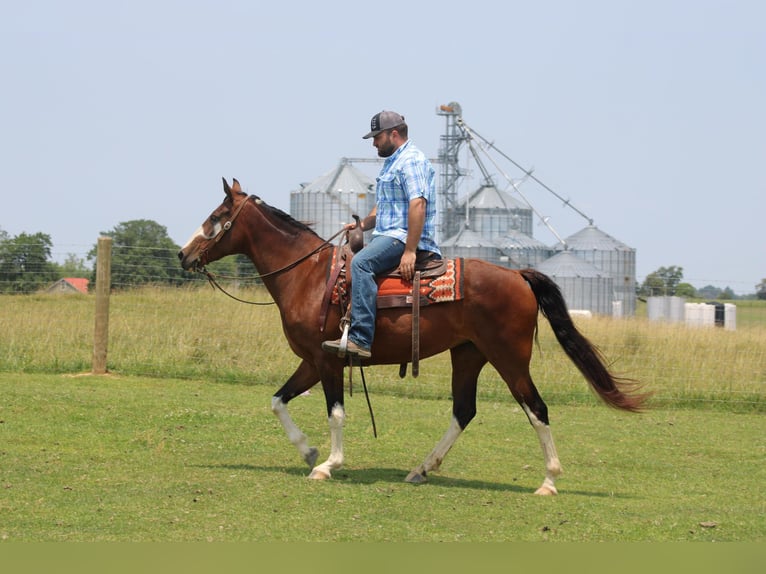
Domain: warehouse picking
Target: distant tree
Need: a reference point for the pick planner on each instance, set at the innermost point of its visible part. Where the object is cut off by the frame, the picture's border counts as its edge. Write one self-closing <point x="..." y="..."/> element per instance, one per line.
<point x="142" y="253"/>
<point x="727" y="293"/>
<point x="672" y="277"/>
<point x="685" y="290"/>
<point x="664" y="281"/>
<point x="25" y="264"/>
<point x="760" y="290"/>
<point x="652" y="286"/>
<point x="709" y="292"/>
<point x="74" y="266"/>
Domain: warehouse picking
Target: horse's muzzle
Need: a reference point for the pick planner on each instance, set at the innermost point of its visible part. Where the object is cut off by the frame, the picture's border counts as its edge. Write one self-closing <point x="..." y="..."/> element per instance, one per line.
<point x="188" y="263"/>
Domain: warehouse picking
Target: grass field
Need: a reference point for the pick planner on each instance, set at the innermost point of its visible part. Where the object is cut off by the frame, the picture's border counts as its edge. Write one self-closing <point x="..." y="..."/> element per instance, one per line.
<point x="199" y="333"/>
<point x="139" y="459"/>
<point x="178" y="443"/>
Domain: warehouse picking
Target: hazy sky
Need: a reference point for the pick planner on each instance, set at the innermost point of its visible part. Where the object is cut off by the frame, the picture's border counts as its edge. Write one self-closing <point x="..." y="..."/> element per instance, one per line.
<point x="650" y="116"/>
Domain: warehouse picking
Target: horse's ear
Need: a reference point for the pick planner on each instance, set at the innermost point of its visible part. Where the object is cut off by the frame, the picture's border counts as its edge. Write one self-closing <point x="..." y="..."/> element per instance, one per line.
<point x="235" y="186"/>
<point x="226" y="188"/>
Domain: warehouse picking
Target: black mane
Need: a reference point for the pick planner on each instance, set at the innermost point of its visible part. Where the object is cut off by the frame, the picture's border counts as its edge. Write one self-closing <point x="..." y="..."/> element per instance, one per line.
<point x="287" y="218"/>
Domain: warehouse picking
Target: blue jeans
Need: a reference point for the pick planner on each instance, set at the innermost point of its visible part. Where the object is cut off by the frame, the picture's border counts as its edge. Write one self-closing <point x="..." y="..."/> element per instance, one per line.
<point x="380" y="254"/>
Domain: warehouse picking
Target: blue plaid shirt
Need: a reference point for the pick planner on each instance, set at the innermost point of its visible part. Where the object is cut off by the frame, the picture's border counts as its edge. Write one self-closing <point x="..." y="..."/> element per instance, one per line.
<point x="406" y="174"/>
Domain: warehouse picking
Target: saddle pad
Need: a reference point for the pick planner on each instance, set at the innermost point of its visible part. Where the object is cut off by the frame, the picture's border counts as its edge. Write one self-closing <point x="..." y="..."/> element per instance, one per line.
<point x="394" y="292"/>
<point x="441" y="289"/>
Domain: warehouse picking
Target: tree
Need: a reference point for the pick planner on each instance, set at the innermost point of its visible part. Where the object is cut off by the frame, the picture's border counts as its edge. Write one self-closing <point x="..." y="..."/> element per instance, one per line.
<point x="74" y="266"/>
<point x="664" y="281"/>
<point x="760" y="290"/>
<point x="142" y="253"/>
<point x="727" y="293"/>
<point x="686" y="290"/>
<point x="709" y="292"/>
<point x="25" y="264"/>
<point x="652" y="286"/>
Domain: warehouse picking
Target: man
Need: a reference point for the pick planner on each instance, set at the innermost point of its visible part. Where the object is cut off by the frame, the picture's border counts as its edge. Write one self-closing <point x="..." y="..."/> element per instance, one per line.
<point x="404" y="222"/>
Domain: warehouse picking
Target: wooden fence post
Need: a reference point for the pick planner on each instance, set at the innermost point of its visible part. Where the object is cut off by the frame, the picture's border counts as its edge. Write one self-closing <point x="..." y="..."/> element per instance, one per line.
<point x="103" y="288"/>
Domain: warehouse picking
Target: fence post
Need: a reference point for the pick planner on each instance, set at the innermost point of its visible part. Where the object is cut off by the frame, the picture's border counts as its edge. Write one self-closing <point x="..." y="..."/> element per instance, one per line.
<point x="103" y="288"/>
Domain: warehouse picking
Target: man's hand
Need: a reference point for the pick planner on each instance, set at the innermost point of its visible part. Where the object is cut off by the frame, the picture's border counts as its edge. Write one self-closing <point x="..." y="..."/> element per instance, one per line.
<point x="407" y="265"/>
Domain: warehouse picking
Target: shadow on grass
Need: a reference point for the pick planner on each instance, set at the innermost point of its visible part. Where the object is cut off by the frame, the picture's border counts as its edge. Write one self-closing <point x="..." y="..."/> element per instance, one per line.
<point x="397" y="476"/>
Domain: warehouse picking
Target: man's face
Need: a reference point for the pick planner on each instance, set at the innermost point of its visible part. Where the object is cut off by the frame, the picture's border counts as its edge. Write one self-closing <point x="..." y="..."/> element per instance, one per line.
<point x="383" y="143"/>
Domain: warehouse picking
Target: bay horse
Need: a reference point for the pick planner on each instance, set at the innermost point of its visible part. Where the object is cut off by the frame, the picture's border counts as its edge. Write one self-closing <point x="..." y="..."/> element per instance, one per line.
<point x="495" y="322"/>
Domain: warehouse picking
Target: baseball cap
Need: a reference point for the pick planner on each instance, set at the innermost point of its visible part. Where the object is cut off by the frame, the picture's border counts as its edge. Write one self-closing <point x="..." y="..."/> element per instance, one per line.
<point x="383" y="121"/>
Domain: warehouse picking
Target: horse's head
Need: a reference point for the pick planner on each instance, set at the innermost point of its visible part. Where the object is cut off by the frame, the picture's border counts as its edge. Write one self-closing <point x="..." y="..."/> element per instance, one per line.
<point x="214" y="238"/>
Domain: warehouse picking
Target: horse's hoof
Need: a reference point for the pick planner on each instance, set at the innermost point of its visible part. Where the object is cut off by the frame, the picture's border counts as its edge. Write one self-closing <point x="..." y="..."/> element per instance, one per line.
<point x="311" y="456"/>
<point x="317" y="474"/>
<point x="547" y="490"/>
<point x="416" y="478"/>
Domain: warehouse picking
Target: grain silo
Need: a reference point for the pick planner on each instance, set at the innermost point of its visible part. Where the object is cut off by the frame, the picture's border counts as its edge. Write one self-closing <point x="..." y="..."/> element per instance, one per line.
<point x="496" y="227"/>
<point x="329" y="201"/>
<point x="611" y="256"/>
<point x="584" y="286"/>
<point x="519" y="250"/>
<point x="469" y="243"/>
<point x="491" y="212"/>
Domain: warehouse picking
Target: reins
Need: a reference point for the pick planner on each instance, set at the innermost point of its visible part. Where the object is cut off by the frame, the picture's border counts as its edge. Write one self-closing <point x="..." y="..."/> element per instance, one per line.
<point x="211" y="277"/>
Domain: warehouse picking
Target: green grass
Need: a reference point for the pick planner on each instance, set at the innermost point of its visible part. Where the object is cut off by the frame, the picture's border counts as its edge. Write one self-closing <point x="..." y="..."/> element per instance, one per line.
<point x="140" y="459"/>
<point x="178" y="443"/>
<point x="199" y="333"/>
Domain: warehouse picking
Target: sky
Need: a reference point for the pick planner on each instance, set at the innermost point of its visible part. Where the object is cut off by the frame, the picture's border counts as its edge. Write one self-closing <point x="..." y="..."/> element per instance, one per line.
<point x="647" y="115"/>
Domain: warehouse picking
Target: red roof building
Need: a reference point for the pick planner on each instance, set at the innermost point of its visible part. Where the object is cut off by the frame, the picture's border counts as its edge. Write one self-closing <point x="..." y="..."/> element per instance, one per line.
<point x="69" y="285"/>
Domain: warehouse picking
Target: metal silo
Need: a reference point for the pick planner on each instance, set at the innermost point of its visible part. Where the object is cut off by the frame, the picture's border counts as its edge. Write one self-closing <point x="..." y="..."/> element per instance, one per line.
<point x="328" y="202"/>
<point x="584" y="286"/>
<point x="491" y="212"/>
<point x="469" y="243"/>
<point x="519" y="250"/>
<point x="610" y="255"/>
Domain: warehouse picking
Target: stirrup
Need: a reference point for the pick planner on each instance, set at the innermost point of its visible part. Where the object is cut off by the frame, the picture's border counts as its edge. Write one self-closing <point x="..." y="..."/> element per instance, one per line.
<point x="344" y="341"/>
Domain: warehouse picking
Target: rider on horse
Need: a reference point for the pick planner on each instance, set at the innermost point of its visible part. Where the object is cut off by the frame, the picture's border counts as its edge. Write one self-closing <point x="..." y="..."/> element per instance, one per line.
<point x="404" y="223"/>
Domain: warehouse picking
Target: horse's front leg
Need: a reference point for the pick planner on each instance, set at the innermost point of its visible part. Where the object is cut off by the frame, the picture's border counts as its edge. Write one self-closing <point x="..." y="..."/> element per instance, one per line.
<point x="335" y="460"/>
<point x="303" y="379"/>
<point x="332" y="384"/>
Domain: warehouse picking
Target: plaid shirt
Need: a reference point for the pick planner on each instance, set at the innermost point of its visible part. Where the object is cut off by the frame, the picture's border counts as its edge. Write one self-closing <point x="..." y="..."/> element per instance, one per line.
<point x="406" y="174"/>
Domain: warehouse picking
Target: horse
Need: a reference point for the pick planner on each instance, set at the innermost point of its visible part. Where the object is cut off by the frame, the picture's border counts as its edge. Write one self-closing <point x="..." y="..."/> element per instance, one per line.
<point x="495" y="322"/>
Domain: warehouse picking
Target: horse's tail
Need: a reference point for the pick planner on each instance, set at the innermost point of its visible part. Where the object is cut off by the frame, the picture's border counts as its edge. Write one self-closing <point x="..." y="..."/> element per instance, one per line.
<point x="615" y="391"/>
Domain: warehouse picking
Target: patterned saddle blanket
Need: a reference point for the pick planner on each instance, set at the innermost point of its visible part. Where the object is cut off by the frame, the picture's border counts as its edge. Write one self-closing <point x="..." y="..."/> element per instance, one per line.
<point x="393" y="291"/>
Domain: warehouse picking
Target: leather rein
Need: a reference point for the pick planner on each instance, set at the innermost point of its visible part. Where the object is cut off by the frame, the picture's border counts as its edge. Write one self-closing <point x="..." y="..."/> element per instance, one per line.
<point x="211" y="277"/>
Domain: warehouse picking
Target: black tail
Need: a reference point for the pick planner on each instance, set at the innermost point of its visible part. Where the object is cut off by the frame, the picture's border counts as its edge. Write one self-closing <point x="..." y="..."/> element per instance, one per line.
<point x="616" y="392"/>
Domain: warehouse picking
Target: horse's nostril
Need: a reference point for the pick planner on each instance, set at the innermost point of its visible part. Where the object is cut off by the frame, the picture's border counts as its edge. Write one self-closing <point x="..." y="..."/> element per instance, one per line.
<point x="181" y="255"/>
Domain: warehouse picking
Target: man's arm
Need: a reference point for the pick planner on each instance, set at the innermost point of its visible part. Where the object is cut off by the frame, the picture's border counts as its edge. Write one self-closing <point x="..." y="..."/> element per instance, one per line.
<point x="416" y="219"/>
<point x="369" y="221"/>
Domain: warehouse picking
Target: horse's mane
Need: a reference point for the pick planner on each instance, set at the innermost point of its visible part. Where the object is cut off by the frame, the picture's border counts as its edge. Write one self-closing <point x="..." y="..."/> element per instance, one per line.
<point x="287" y="218"/>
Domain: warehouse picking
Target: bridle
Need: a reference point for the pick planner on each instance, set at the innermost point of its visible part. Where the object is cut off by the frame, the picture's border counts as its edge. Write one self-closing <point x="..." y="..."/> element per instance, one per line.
<point x="211" y="277"/>
<point x="218" y="236"/>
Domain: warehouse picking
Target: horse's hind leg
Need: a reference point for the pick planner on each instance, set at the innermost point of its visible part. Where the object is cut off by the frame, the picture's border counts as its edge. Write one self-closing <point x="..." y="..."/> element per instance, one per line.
<point x="467" y="363"/>
<point x="525" y="392"/>
<point x="303" y="379"/>
<point x="552" y="464"/>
